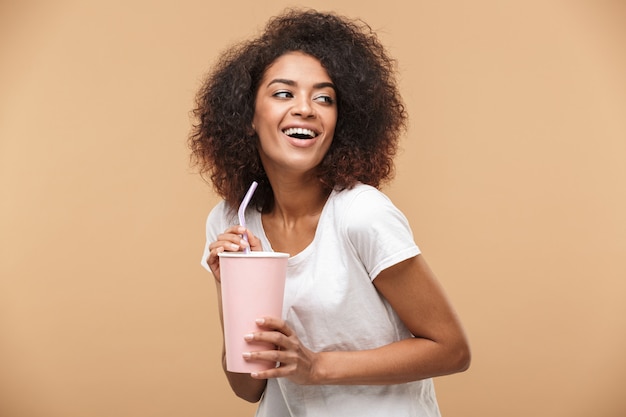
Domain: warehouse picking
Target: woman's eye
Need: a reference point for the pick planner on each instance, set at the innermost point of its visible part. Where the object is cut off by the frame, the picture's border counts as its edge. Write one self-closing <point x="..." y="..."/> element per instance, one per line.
<point x="283" y="94"/>
<point x="325" y="99"/>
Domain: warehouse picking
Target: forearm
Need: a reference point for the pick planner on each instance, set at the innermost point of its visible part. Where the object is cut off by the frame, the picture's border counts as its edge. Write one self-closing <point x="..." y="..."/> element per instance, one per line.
<point x="400" y="362"/>
<point x="243" y="385"/>
<point x="440" y="347"/>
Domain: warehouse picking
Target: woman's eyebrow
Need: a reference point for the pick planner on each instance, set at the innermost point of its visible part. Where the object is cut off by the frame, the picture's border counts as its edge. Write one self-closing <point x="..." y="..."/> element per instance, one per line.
<point x="281" y="81"/>
<point x="293" y="83"/>
<point x="325" y="84"/>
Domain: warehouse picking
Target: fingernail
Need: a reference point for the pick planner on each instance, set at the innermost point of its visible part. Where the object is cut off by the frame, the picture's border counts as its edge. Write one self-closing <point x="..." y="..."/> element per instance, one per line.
<point x="248" y="336"/>
<point x="243" y="243"/>
<point x="246" y="355"/>
<point x="260" y="322"/>
<point x="254" y="374"/>
<point x="234" y="246"/>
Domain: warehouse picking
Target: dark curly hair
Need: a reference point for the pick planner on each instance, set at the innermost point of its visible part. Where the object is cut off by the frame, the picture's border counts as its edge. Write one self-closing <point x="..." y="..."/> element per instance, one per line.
<point x="371" y="114"/>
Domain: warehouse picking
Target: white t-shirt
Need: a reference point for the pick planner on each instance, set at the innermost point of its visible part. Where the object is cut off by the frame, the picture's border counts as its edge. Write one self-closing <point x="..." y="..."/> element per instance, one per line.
<point x="332" y="305"/>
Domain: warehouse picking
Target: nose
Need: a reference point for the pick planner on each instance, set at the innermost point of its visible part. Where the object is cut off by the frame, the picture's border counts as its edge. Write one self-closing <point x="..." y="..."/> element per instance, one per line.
<point x="302" y="107"/>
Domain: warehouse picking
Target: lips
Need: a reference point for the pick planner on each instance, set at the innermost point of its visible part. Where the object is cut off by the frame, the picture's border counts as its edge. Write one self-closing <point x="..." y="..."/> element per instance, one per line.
<point x="300" y="133"/>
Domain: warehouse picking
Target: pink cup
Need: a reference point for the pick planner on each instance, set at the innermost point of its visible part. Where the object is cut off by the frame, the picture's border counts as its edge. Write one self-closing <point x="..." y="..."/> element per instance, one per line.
<point x="253" y="286"/>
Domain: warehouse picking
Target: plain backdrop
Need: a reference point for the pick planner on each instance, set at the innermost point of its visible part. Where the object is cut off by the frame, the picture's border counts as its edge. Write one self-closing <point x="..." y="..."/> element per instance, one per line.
<point x="512" y="175"/>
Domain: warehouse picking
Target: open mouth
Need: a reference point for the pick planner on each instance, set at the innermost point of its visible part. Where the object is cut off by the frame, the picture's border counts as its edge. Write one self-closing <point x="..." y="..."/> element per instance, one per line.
<point x="300" y="133"/>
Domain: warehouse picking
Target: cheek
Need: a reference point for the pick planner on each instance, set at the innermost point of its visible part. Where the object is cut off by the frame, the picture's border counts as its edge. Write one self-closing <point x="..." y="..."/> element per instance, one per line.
<point x="265" y="118"/>
<point x="331" y="119"/>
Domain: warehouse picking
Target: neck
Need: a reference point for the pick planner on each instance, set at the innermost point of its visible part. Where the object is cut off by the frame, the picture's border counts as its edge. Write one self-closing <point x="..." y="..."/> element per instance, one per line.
<point x="298" y="199"/>
<point x="292" y="222"/>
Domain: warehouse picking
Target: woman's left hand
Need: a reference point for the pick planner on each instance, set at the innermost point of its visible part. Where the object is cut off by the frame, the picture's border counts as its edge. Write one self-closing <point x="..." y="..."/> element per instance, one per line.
<point x="296" y="362"/>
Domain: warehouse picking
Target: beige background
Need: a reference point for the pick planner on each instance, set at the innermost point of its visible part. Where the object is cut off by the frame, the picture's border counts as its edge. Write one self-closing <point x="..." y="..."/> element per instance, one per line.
<point x="512" y="175"/>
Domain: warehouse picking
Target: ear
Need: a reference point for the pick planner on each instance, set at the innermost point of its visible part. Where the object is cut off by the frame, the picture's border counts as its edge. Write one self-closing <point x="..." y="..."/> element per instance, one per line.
<point x="251" y="130"/>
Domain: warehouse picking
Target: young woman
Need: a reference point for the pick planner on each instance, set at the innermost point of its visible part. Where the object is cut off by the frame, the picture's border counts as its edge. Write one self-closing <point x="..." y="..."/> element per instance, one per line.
<point x="311" y="111"/>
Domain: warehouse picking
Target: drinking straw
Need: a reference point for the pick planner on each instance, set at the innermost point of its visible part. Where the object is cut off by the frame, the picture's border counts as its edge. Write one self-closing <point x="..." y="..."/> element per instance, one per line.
<point x="242" y="210"/>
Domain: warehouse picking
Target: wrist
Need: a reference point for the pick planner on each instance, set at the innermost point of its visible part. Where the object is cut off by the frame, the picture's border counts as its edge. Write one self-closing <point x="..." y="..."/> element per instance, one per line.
<point x="321" y="370"/>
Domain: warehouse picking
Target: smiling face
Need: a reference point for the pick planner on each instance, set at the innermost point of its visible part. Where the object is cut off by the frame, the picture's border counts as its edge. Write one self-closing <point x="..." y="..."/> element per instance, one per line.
<point x="295" y="114"/>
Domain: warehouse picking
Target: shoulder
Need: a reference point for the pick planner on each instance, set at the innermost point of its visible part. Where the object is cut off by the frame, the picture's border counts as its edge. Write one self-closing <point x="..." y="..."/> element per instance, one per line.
<point x="362" y="203"/>
<point x="375" y="228"/>
<point x="220" y="217"/>
<point x="217" y="212"/>
<point x="361" y="197"/>
<point x="365" y="209"/>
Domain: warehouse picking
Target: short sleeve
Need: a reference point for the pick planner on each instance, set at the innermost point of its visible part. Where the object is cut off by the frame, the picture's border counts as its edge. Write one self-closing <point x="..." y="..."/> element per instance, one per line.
<point x="378" y="231"/>
<point x="218" y="220"/>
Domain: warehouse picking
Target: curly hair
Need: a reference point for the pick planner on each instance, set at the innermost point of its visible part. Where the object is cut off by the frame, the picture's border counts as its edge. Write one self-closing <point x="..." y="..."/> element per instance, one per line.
<point x="371" y="113"/>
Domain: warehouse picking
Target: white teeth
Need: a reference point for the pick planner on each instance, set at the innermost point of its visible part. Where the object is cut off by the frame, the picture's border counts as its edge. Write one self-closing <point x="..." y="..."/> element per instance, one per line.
<point x="299" y="131"/>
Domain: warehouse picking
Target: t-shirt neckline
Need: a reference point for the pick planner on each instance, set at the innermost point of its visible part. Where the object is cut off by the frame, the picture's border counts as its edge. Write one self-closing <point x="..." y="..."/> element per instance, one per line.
<point x="304" y="253"/>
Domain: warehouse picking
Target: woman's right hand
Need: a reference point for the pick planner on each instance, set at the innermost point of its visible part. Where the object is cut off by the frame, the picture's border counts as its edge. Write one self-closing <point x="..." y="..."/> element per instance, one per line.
<point x="231" y="241"/>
